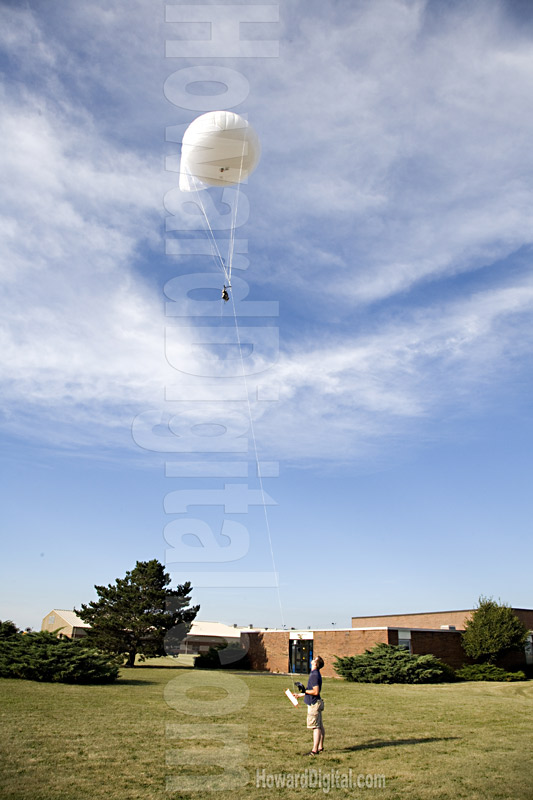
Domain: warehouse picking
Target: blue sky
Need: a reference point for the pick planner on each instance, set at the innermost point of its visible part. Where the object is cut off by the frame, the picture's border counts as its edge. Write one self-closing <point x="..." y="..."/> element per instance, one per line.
<point x="390" y="217"/>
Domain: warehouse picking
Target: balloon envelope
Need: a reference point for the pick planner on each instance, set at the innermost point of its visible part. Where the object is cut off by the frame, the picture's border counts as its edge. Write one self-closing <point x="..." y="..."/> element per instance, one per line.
<point x="219" y="148"/>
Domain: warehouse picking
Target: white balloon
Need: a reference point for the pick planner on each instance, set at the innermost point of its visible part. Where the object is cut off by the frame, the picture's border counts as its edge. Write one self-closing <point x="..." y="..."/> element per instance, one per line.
<point x="219" y="148"/>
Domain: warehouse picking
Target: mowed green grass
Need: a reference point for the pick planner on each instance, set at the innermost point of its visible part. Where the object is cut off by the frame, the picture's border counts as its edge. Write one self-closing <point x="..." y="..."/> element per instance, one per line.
<point x="442" y="742"/>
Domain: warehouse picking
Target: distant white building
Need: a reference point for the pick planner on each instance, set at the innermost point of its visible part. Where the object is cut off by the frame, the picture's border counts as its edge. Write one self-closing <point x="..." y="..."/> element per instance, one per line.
<point x="204" y="635"/>
<point x="200" y="638"/>
<point x="71" y="625"/>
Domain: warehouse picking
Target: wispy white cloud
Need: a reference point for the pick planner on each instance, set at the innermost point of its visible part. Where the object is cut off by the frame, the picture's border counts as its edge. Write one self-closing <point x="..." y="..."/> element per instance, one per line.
<point x="373" y="388"/>
<point x="407" y="147"/>
<point x="81" y="332"/>
<point x="405" y="157"/>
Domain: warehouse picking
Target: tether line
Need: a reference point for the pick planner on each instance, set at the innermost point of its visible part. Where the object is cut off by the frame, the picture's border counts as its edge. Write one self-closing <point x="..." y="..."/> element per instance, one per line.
<point x="227" y="274"/>
<point x="220" y="262"/>
<point x="260" y="477"/>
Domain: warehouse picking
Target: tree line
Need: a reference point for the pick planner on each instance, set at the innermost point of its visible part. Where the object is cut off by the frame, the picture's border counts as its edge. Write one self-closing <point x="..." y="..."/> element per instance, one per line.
<point x="138" y="615"/>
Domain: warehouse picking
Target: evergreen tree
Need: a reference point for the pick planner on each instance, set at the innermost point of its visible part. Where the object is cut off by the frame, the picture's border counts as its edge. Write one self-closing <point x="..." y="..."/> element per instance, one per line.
<point x="43" y="656"/>
<point x="138" y="613"/>
<point x="7" y="629"/>
<point x="493" y="630"/>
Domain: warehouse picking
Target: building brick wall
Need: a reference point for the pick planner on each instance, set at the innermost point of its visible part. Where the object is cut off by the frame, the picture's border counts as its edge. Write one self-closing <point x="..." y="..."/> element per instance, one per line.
<point x="393" y="636"/>
<point x="526" y="616"/>
<point x="329" y="644"/>
<point x="514" y="660"/>
<point x="268" y="650"/>
<point x="432" y="619"/>
<point x="445" y="645"/>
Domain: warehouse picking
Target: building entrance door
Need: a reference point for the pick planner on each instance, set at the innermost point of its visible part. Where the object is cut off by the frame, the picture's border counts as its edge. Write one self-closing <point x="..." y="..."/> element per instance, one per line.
<point x="300" y="655"/>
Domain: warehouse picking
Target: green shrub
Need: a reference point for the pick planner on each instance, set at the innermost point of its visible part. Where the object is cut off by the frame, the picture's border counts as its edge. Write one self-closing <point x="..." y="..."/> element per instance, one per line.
<point x="488" y="672"/>
<point x="232" y="656"/>
<point x="386" y="663"/>
<point x="41" y="656"/>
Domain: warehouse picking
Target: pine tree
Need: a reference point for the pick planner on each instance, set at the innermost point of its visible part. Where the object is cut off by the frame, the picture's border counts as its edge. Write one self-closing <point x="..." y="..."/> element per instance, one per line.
<point x="8" y="629"/>
<point x="135" y="615"/>
<point x="493" y="630"/>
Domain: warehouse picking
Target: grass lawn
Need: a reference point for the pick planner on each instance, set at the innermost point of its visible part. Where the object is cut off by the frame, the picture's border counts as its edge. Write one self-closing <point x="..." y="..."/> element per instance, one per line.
<point x="443" y="742"/>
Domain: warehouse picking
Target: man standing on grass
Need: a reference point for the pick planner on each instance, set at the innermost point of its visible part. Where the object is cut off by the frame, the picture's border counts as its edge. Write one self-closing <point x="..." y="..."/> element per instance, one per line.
<point x="315" y="705"/>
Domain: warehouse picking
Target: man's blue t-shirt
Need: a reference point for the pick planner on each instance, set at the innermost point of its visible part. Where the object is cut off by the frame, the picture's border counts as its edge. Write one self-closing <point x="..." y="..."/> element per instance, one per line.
<point x="315" y="679"/>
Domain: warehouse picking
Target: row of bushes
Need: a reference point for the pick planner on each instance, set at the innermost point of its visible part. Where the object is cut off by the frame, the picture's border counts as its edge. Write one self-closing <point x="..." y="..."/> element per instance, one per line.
<point x="387" y="663"/>
<point x="41" y="656"/>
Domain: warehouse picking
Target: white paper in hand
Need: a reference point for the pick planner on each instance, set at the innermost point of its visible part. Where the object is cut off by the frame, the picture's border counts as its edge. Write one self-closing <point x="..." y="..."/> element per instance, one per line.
<point x="291" y="697"/>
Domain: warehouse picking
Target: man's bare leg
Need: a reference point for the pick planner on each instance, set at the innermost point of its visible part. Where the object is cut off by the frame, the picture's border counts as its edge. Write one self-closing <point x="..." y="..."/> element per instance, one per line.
<point x="320" y="744"/>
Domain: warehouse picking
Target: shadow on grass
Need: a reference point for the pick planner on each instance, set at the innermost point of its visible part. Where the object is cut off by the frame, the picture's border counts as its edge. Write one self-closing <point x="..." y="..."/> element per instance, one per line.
<point x="133" y="682"/>
<point x="377" y="743"/>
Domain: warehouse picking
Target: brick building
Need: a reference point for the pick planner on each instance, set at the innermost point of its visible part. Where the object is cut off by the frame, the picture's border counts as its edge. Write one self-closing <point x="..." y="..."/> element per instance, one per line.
<point x="434" y="619"/>
<point x="438" y="633"/>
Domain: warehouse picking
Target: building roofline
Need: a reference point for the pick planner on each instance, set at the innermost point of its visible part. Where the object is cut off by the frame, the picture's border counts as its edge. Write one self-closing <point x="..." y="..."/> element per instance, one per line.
<point x="409" y="628"/>
<point x="423" y="613"/>
<point x="420" y="613"/>
<point x="370" y="628"/>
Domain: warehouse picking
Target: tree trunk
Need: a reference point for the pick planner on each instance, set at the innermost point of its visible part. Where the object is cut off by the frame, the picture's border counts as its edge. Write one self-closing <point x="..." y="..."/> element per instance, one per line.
<point x="131" y="658"/>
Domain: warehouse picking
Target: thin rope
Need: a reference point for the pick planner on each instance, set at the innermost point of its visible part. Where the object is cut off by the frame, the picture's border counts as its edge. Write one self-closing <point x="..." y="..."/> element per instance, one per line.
<point x="227" y="274"/>
<point x="267" y="522"/>
<point x="220" y="262"/>
<point x="233" y="221"/>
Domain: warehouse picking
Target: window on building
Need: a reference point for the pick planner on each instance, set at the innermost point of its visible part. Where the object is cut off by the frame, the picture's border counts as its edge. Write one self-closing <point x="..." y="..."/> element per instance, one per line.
<point x="529" y="649"/>
<point x="404" y="640"/>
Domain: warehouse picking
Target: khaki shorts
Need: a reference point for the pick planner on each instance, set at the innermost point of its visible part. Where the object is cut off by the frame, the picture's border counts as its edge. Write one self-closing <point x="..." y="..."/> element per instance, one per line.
<point x="314" y="714"/>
